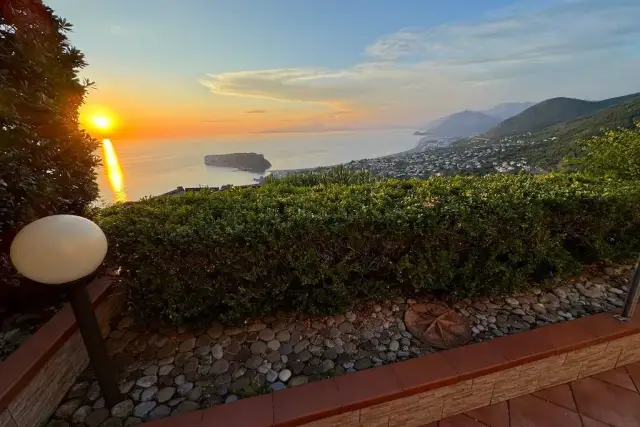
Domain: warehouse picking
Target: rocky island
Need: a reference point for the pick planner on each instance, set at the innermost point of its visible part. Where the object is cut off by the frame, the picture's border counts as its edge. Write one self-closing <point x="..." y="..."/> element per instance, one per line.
<point x="248" y="162"/>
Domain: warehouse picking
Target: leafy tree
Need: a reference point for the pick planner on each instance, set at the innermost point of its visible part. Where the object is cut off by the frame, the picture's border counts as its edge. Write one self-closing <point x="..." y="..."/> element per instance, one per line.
<point x="614" y="155"/>
<point x="47" y="163"/>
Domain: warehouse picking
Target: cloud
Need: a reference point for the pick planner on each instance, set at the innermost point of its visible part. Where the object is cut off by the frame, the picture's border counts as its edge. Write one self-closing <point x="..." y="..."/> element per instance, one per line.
<point x="256" y="111"/>
<point x="527" y="51"/>
<point x="566" y="29"/>
<point x="295" y="85"/>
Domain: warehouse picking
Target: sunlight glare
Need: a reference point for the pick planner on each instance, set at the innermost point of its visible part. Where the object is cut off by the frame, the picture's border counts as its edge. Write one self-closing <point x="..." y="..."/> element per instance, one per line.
<point x="102" y="122"/>
<point x="114" y="172"/>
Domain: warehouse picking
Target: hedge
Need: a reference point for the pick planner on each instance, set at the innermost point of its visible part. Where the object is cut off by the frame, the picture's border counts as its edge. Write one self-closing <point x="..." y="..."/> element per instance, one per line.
<point x="238" y="253"/>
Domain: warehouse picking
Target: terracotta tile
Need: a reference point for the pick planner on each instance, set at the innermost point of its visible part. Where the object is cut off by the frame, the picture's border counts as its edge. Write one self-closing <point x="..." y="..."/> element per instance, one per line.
<point x="569" y="336"/>
<point x="251" y="412"/>
<point x="618" y="376"/>
<point x="590" y="422"/>
<point x="560" y="395"/>
<point x="368" y="387"/>
<point x="634" y="372"/>
<point x="606" y="402"/>
<point x="460" y="421"/>
<point x="476" y="359"/>
<point x="605" y="327"/>
<point x="424" y="373"/>
<point x="297" y="405"/>
<point x="530" y="411"/>
<point x="493" y="416"/>
<point x="191" y="419"/>
<point x="525" y="346"/>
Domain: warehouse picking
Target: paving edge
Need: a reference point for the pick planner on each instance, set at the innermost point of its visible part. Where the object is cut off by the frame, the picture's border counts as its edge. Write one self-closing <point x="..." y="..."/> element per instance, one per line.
<point x="423" y="390"/>
<point x="35" y="377"/>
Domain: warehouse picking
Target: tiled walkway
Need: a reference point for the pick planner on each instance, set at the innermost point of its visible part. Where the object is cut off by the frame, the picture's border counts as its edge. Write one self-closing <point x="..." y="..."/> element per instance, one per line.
<point x="610" y="399"/>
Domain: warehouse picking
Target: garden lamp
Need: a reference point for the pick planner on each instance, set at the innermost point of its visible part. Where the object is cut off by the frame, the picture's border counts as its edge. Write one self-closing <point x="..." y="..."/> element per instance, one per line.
<point x="66" y="251"/>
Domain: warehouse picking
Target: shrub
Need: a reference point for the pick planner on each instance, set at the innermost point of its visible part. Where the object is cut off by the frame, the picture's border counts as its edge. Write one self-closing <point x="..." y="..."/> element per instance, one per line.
<point x="614" y="155"/>
<point x="243" y="252"/>
<point x="336" y="175"/>
<point x="46" y="162"/>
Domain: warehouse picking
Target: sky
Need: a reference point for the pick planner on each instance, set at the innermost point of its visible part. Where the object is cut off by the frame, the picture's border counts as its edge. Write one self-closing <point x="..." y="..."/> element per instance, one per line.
<point x="198" y="68"/>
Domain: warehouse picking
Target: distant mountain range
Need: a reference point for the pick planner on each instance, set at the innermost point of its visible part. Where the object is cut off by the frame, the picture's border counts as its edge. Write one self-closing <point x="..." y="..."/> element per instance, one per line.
<point x="467" y="123"/>
<point x="552" y="112"/>
<point x="553" y="127"/>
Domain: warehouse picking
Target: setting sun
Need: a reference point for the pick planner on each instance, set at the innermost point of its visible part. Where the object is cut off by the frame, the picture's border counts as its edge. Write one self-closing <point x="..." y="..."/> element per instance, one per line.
<point x="102" y="122"/>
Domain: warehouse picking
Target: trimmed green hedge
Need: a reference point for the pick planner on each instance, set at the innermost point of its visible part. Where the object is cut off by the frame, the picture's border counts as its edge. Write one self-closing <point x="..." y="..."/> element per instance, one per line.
<point x="242" y="252"/>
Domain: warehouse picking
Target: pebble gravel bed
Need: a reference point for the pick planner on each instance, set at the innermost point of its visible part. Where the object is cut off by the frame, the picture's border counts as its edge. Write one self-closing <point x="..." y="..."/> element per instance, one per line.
<point x="16" y="328"/>
<point x="167" y="370"/>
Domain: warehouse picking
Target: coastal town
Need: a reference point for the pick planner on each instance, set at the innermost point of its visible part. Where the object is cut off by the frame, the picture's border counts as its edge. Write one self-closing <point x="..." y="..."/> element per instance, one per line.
<point x="446" y="156"/>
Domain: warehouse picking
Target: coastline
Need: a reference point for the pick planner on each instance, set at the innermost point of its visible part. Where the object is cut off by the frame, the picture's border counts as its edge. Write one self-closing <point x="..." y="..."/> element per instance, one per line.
<point x="426" y="143"/>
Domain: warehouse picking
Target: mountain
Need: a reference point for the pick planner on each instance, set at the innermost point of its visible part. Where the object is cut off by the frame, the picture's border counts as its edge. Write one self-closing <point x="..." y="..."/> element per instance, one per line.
<point x="468" y="123"/>
<point x="508" y="109"/>
<point x="464" y="123"/>
<point x="550" y="145"/>
<point x="551" y="112"/>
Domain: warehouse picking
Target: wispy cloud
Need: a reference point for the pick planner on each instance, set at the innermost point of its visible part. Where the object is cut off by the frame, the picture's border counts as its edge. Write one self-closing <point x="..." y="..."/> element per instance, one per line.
<point x="256" y="111"/>
<point x="527" y="51"/>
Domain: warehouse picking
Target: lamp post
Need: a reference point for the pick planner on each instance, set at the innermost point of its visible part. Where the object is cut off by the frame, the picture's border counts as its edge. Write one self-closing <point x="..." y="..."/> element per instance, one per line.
<point x="65" y="251"/>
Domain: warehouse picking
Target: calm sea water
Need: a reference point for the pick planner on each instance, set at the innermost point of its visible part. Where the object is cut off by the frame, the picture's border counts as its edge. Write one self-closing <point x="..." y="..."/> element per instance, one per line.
<point x="144" y="168"/>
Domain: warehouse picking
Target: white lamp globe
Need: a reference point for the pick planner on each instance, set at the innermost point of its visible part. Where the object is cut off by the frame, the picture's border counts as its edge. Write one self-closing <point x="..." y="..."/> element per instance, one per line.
<point x="58" y="249"/>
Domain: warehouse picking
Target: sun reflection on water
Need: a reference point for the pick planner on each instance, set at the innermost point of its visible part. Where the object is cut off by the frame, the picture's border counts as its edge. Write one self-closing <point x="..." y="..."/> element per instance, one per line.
<point x="114" y="171"/>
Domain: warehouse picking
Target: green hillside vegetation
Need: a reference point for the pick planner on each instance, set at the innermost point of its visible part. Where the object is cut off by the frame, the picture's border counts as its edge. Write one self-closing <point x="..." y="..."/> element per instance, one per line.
<point x="552" y="112"/>
<point x="557" y="142"/>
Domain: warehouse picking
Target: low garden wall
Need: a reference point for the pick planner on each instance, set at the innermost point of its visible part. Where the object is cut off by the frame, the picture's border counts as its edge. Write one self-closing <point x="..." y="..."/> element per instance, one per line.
<point x="35" y="378"/>
<point x="420" y="391"/>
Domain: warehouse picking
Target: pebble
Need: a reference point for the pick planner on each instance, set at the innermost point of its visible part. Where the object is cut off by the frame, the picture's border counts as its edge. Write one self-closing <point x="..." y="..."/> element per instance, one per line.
<point x="273" y="345"/>
<point x="277" y="386"/>
<point x="160" y="411"/>
<point x="122" y="409"/>
<point x="267" y="335"/>
<point x="67" y="409"/>
<point x="220" y="367"/>
<point x="271" y="375"/>
<point x="97" y="417"/>
<point x="186" y="406"/>
<point x="147" y="381"/>
<point x="81" y="414"/>
<point x="184" y="388"/>
<point x="512" y="301"/>
<point x="259" y="347"/>
<point x="112" y="422"/>
<point x="148" y="393"/>
<point x="297" y="381"/>
<point x="165" y="394"/>
<point x="231" y="398"/>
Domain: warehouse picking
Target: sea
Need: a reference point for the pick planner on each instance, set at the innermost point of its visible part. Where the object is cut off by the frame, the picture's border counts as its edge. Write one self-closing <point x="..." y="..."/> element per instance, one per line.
<point x="132" y="170"/>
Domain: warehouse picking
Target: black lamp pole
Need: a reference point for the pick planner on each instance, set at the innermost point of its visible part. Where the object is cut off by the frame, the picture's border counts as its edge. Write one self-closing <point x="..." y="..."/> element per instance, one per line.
<point x="634" y="291"/>
<point x="103" y="367"/>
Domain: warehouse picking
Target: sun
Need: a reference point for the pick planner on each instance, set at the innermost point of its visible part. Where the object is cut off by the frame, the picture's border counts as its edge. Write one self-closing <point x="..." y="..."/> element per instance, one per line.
<point x="102" y="122"/>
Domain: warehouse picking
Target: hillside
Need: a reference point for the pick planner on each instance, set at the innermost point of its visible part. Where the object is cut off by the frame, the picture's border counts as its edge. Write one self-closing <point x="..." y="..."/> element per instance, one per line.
<point x="464" y="123"/>
<point x="552" y="112"/>
<point x="508" y="109"/>
<point x="550" y="145"/>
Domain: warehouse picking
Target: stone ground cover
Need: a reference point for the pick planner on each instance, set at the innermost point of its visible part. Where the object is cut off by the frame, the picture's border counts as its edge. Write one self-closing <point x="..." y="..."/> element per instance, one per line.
<point x="167" y="370"/>
<point x="16" y="328"/>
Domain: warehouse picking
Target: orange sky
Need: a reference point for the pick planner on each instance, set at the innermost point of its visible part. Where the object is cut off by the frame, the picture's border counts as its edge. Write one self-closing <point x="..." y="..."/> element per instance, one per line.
<point x="149" y="111"/>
